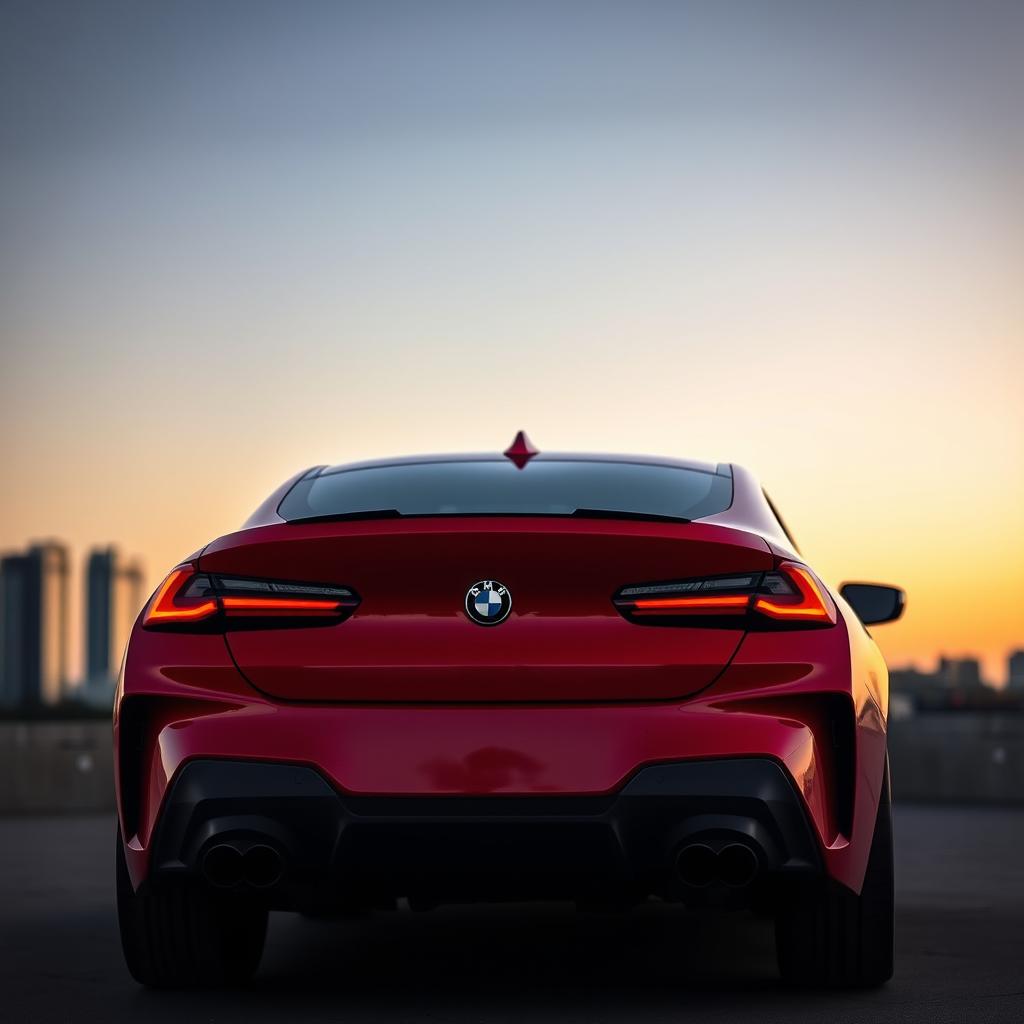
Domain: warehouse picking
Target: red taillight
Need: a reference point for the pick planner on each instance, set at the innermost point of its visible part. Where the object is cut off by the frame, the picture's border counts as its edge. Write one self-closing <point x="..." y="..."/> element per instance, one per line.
<point x="810" y="604"/>
<point x="170" y="606"/>
<point x="188" y="597"/>
<point x="730" y="604"/>
<point x="789" y="594"/>
<point x="290" y="607"/>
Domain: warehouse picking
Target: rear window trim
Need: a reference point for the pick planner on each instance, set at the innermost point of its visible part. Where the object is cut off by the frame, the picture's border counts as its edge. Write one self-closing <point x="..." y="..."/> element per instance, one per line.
<point x="720" y="471"/>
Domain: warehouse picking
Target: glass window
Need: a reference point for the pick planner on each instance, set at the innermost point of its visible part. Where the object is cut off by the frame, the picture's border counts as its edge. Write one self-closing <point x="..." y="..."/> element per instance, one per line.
<point x="551" y="487"/>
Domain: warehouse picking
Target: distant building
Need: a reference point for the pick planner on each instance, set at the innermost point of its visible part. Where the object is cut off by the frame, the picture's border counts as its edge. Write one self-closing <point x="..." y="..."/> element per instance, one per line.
<point x="918" y="688"/>
<point x="113" y="596"/>
<point x="1015" y="676"/>
<point x="956" y="684"/>
<point x="960" y="673"/>
<point x="34" y="626"/>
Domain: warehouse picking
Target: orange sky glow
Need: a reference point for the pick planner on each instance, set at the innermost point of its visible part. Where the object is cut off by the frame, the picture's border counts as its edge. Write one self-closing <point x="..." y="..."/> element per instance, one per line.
<point x="321" y="240"/>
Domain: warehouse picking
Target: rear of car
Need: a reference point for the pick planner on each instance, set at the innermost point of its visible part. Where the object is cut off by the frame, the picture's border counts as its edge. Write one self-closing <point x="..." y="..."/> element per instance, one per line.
<point x="501" y="677"/>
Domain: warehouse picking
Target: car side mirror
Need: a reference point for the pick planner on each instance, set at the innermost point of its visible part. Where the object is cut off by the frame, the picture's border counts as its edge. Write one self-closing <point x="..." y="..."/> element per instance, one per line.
<point x="874" y="602"/>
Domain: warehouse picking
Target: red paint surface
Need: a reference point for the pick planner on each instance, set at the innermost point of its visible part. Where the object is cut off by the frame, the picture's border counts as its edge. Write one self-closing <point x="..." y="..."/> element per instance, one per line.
<point x="566" y="697"/>
<point x="410" y="640"/>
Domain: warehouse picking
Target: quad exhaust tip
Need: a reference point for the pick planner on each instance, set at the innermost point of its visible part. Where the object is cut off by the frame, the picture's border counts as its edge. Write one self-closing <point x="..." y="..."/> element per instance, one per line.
<point x="735" y="865"/>
<point x="697" y="865"/>
<point x="262" y="866"/>
<point x="226" y="866"/>
<point x="222" y="866"/>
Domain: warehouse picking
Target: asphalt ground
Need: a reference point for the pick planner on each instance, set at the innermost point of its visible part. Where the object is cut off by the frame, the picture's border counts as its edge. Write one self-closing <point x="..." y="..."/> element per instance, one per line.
<point x="960" y="947"/>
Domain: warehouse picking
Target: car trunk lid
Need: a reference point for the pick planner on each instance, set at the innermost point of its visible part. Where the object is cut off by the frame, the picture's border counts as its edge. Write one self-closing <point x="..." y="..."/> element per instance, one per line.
<point x="411" y="640"/>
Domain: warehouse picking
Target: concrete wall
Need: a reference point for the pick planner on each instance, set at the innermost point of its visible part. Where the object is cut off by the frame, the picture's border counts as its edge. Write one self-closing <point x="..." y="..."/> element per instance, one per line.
<point x="958" y="756"/>
<point x="55" y="767"/>
<point x="971" y="757"/>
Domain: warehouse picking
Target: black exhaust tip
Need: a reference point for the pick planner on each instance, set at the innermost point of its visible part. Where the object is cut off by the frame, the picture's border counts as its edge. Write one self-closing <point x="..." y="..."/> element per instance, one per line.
<point x="262" y="866"/>
<point x="737" y="864"/>
<point x="222" y="866"/>
<point x="697" y="865"/>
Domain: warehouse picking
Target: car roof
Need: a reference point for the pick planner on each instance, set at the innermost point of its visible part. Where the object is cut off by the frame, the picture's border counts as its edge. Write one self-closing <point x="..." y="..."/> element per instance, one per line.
<point x="719" y="469"/>
<point x="750" y="509"/>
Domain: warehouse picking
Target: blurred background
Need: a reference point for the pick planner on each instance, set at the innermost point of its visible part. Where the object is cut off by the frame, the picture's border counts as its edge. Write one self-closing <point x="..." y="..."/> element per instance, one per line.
<point x="239" y="239"/>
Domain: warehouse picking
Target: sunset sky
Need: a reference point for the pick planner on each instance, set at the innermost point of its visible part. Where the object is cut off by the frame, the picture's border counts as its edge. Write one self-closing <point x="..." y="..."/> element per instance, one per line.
<point x="241" y="239"/>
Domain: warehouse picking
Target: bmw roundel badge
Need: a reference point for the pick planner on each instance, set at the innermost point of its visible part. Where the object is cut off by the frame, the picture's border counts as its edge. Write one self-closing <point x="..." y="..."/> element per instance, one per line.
<point x="488" y="603"/>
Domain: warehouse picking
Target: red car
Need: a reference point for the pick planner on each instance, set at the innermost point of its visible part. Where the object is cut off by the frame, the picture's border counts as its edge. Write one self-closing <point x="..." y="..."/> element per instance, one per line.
<point x="504" y="677"/>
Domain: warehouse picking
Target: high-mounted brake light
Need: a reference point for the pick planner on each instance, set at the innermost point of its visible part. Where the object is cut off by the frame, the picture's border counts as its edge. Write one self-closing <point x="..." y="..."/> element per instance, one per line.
<point x="790" y="594"/>
<point x="187" y="597"/>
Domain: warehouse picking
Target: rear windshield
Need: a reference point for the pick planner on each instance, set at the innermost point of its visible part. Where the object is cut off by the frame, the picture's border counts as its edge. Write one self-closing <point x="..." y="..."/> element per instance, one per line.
<point x="543" y="488"/>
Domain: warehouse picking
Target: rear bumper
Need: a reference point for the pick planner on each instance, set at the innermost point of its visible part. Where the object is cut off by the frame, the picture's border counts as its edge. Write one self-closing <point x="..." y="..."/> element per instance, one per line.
<point x="501" y="752"/>
<point x="342" y="850"/>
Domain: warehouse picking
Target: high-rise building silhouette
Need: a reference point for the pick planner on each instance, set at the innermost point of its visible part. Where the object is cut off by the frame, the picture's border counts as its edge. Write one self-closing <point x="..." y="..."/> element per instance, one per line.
<point x="960" y="673"/>
<point x="1015" y="666"/>
<point x="113" y="596"/>
<point x="34" y="626"/>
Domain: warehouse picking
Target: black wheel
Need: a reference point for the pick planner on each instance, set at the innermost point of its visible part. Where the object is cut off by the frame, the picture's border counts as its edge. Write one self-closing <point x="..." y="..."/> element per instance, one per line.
<point x="826" y="935"/>
<point x="184" y="935"/>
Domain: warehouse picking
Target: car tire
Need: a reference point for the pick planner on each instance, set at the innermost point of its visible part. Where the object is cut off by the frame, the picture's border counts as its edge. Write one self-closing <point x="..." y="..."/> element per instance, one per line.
<point x="828" y="936"/>
<point x="185" y="935"/>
